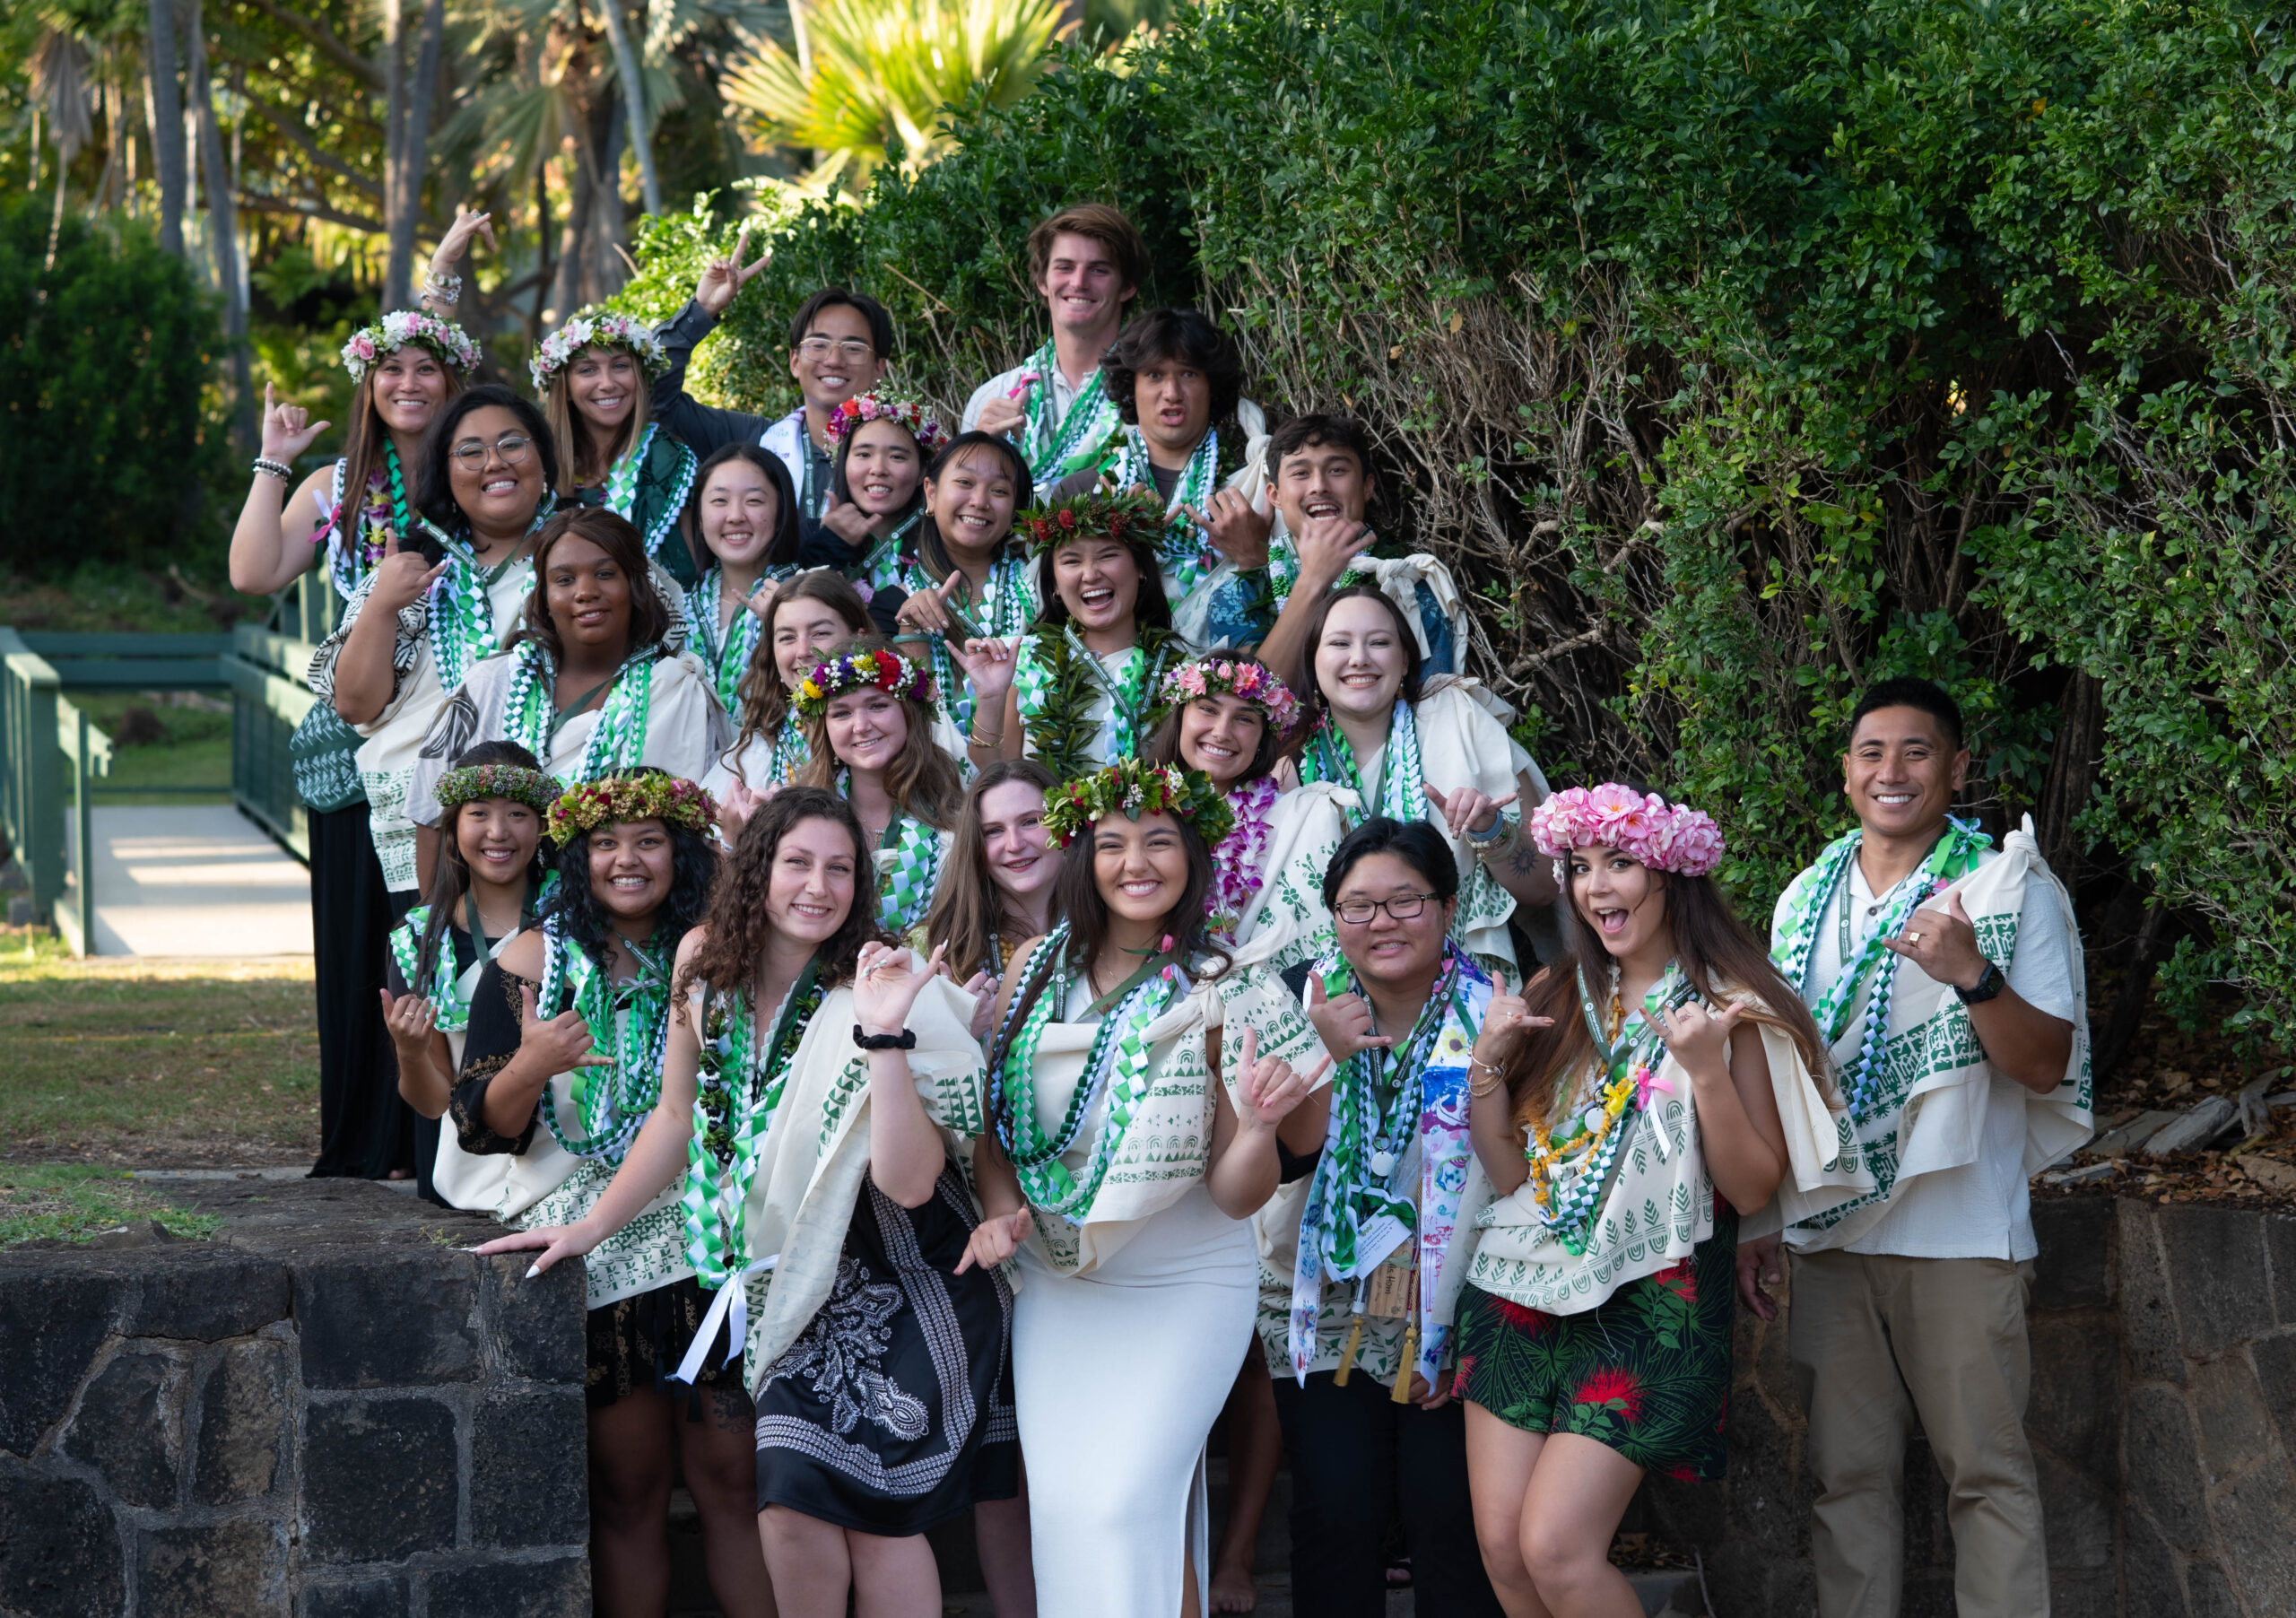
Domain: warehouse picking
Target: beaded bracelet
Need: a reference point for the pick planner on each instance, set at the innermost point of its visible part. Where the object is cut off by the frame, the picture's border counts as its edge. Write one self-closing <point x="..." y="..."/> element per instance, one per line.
<point x="445" y="289"/>
<point x="278" y="469"/>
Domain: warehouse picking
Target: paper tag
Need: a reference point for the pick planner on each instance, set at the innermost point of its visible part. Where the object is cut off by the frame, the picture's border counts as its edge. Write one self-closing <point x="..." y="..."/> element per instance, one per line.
<point x="1389" y="1297"/>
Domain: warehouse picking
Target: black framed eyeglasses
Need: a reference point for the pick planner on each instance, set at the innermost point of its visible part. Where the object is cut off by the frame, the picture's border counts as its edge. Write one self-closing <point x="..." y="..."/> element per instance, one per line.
<point x="1403" y="906"/>
<point x="511" y="447"/>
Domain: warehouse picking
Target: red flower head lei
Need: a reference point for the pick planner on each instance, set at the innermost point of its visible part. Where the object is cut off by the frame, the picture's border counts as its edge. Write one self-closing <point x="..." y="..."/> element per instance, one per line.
<point x="475" y="782"/>
<point x="1125" y="515"/>
<point x="448" y="343"/>
<point x="907" y="409"/>
<point x="1133" y="787"/>
<point x="597" y="328"/>
<point x="616" y="800"/>
<point x="863" y="671"/>
<point x="1218" y="676"/>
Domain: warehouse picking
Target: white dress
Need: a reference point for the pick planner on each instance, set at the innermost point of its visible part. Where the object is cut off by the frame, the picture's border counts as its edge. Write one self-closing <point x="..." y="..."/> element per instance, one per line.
<point x="1127" y="1335"/>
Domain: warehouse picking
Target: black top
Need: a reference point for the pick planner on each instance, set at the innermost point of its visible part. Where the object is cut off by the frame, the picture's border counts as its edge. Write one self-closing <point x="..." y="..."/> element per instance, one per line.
<point x="496" y="1017"/>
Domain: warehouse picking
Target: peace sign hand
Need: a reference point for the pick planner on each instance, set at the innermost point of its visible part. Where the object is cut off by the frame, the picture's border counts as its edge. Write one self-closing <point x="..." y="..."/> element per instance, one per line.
<point x="287" y="429"/>
<point x="402" y="576"/>
<point x="1344" y="1025"/>
<point x="722" y="278"/>
<point x="559" y="1044"/>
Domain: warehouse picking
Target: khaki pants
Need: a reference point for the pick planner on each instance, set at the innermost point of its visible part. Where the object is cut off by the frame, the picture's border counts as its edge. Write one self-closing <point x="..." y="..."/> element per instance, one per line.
<point x="1876" y="1341"/>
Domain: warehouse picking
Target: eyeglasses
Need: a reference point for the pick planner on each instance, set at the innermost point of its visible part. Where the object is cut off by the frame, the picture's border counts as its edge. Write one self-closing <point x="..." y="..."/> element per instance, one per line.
<point x="844" y="348"/>
<point x="511" y="447"/>
<point x="1403" y="906"/>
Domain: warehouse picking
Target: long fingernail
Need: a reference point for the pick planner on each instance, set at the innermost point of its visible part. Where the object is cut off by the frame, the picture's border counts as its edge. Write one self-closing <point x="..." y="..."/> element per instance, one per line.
<point x="533" y="1269"/>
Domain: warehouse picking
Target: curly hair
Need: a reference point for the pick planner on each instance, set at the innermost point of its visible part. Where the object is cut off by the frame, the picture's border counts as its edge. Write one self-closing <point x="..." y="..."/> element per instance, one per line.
<point x="922" y="779"/>
<point x="1186" y="335"/>
<point x="740" y="921"/>
<point x="650" y="617"/>
<point x="694" y="868"/>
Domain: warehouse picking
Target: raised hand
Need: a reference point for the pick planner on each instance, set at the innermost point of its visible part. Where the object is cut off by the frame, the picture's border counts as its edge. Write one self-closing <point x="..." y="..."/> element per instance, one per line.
<point x="998" y="1238"/>
<point x="983" y="990"/>
<point x="1327" y="546"/>
<point x="1269" y="1088"/>
<point x="409" y="1018"/>
<point x="735" y="807"/>
<point x="1344" y="1025"/>
<point x="760" y="600"/>
<point x="288" y="430"/>
<point x="848" y="521"/>
<point x="468" y="222"/>
<point x="886" y="981"/>
<point x="1943" y="943"/>
<point x="558" y="1044"/>
<point x="722" y="278"/>
<point x="1700" y="1038"/>
<point x="402" y="577"/>
<point x="1505" y="1023"/>
<point x="988" y="667"/>
<point x="1467" y="810"/>
<point x="1236" y="530"/>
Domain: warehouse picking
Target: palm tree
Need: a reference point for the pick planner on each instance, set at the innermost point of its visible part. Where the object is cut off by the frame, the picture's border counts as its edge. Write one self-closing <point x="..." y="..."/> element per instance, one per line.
<point x="881" y="71"/>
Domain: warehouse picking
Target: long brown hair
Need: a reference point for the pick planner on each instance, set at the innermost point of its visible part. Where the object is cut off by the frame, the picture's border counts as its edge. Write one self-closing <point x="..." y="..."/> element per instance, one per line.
<point x="922" y="780"/>
<point x="739" y="919"/>
<point x="969" y="908"/>
<point x="1164" y="741"/>
<point x="364" y="447"/>
<point x="763" y="700"/>
<point x="650" y="618"/>
<point x="1715" y="951"/>
<point x="569" y="435"/>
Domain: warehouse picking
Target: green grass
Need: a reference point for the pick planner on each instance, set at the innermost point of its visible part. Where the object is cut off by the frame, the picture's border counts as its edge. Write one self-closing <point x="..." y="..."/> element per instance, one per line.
<point x="104" y="598"/>
<point x="78" y="1202"/>
<point x="125" y="1061"/>
<point x="195" y="751"/>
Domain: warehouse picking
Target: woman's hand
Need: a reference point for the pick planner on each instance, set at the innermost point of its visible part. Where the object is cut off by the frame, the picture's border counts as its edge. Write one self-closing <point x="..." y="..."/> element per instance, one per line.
<point x="558" y="1044"/>
<point x="998" y="1238"/>
<point x="1467" y="810"/>
<point x="723" y="278"/>
<point x="402" y="577"/>
<point x="410" y="1020"/>
<point x="983" y="990"/>
<point x="468" y="222"/>
<point x="988" y="667"/>
<point x="1344" y="1025"/>
<point x="734" y="809"/>
<point x="927" y="612"/>
<point x="556" y="1242"/>
<point x="886" y="982"/>
<point x="1505" y="1023"/>
<point x="1700" y="1040"/>
<point x="848" y="521"/>
<point x="288" y="430"/>
<point x="760" y="600"/>
<point x="1270" y="1089"/>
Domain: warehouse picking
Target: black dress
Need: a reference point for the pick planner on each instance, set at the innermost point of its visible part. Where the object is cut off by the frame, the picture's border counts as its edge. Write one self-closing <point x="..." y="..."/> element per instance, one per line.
<point x="634" y="1343"/>
<point x="365" y="1129"/>
<point x="893" y="1409"/>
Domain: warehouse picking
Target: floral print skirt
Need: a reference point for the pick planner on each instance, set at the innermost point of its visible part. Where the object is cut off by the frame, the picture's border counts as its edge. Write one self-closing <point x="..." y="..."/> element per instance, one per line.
<point x="1646" y="1372"/>
<point x="893" y="1409"/>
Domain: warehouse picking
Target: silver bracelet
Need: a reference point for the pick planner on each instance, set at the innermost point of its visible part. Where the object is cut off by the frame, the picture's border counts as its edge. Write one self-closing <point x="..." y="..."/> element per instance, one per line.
<point x="445" y="289"/>
<point x="278" y="469"/>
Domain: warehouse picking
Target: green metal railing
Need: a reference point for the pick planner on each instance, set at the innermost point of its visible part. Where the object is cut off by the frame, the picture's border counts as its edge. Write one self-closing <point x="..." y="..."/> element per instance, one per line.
<point x="46" y="741"/>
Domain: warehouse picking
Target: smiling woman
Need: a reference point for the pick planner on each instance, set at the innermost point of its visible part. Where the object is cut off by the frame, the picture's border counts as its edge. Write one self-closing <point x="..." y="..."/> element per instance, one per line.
<point x="593" y="375"/>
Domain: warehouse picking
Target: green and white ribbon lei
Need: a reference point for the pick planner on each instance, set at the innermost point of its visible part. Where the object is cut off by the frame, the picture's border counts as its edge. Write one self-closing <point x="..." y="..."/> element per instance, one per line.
<point x="1953" y="856"/>
<point x="1117" y="1066"/>
<point x="610" y="1103"/>
<point x="1399" y="794"/>
<point x="1053" y="454"/>
<point x="880" y="566"/>
<point x="450" y="1011"/>
<point x="618" y="741"/>
<point x="726" y="654"/>
<point x="1185" y="550"/>
<point x="1575" y="1201"/>
<point x="622" y="486"/>
<point x="908" y="866"/>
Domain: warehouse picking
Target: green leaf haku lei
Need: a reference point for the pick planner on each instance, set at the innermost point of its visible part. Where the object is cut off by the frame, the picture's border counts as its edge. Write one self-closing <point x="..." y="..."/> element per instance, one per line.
<point x="1400" y="794"/>
<point x="610" y="1103"/>
<point x="1118" y="1066"/>
<point x="1058" y="680"/>
<point x="1955" y="854"/>
<point x="618" y="741"/>
<point x="737" y="1090"/>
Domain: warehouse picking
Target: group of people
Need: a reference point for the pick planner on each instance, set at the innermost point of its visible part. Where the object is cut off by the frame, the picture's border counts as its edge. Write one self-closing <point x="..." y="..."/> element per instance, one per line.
<point x="995" y="946"/>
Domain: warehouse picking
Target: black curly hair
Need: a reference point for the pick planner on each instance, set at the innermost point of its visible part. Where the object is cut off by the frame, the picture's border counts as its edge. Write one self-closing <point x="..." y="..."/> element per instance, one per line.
<point x="693" y="870"/>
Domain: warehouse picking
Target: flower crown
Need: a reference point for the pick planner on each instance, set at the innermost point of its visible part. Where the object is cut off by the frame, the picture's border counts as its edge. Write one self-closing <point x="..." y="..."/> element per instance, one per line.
<point x="597" y="328"/>
<point x="1255" y="682"/>
<point x="1122" y="514"/>
<point x="1663" y="836"/>
<point x="645" y="795"/>
<point x="1133" y="787"/>
<point x="862" y="671"/>
<point x="906" y="409"/>
<point x="446" y="340"/>
<point x="515" y="782"/>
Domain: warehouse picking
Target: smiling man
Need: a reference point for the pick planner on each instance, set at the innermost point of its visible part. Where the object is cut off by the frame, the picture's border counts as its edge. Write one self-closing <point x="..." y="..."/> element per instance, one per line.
<point x="1087" y="262"/>
<point x="1947" y="979"/>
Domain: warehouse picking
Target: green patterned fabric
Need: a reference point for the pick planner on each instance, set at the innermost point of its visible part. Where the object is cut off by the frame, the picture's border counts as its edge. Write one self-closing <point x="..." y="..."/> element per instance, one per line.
<point x="324" y="756"/>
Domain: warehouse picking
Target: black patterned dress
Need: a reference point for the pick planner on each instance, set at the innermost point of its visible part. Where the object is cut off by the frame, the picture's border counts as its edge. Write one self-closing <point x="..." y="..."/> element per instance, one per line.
<point x="893" y="1410"/>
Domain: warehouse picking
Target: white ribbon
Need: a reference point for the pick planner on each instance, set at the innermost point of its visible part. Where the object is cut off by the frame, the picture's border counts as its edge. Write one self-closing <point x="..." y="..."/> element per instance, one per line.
<point x="732" y="1298"/>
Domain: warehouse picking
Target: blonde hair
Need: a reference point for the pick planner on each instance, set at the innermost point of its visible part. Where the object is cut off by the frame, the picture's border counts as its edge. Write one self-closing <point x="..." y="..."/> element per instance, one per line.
<point x="569" y="434"/>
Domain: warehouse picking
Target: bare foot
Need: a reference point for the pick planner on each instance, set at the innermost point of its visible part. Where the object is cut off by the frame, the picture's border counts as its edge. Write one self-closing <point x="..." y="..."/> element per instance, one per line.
<point x="1232" y="1590"/>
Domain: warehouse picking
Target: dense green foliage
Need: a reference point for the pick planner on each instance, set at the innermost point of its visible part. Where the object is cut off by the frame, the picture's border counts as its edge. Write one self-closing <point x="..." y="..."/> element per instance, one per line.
<point x="107" y="434"/>
<point x="1738" y="351"/>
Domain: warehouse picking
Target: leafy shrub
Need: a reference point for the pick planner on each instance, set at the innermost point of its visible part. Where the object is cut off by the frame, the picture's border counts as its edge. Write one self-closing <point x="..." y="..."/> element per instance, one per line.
<point x="1738" y="352"/>
<point x="110" y="432"/>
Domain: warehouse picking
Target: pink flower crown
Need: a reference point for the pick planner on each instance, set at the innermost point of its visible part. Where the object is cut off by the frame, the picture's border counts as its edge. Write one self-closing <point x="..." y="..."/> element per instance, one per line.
<point x="1215" y="676"/>
<point x="597" y="328"/>
<point x="910" y="413"/>
<point x="1663" y="836"/>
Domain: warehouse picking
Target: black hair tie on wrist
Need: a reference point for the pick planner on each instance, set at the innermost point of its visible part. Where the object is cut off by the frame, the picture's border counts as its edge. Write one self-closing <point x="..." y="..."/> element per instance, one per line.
<point x="904" y="1040"/>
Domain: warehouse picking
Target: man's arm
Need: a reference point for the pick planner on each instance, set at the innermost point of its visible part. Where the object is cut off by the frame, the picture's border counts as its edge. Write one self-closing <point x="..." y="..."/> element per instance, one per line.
<point x="703" y="427"/>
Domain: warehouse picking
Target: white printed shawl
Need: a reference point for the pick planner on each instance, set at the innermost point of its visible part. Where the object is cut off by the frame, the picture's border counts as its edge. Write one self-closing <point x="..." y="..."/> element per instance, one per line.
<point x="1934" y="1077"/>
<point x="1658" y="1209"/>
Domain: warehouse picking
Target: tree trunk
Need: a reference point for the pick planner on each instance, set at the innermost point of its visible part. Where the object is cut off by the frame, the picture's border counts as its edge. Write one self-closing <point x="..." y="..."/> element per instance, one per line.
<point x="609" y="223"/>
<point x="164" y="109"/>
<point x="222" y="229"/>
<point x="396" y="264"/>
<point x="2072" y="775"/>
<point x="413" y="138"/>
<point x="573" y="243"/>
<point x="628" y="68"/>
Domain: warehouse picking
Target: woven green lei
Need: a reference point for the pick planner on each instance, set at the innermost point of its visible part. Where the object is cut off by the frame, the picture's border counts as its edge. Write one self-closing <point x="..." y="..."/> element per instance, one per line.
<point x="1052" y="454"/>
<point x="610" y="1103"/>
<point x="1058" y="679"/>
<point x="727" y="652"/>
<point x="906" y="880"/>
<point x="621" y="488"/>
<point x="737" y="1090"/>
<point x="618" y="743"/>
<point x="1400" y="794"/>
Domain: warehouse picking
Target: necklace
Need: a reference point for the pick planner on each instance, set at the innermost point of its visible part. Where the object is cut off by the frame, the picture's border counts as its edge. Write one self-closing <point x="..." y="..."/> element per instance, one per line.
<point x="908" y="866"/>
<point x="531" y="718"/>
<point x="1375" y="1113"/>
<point x="1239" y="862"/>
<point x="727" y="651"/>
<point x="1058" y="680"/>
<point x="622" y="489"/>
<point x="1570" y="1163"/>
<point x="382" y="513"/>
<point x="1330" y="757"/>
<point x="610" y="1103"/>
<point x="737" y="1090"/>
<point x="1091" y="416"/>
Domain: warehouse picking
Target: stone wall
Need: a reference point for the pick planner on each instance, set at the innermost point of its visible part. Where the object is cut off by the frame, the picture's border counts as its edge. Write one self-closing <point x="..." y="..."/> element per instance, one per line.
<point x="2164" y="1418"/>
<point x="327" y="1411"/>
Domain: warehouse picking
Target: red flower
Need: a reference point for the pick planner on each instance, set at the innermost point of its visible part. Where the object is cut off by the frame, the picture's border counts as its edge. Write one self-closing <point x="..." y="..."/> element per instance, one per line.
<point x="1067" y="516"/>
<point x="1683" y="1473"/>
<point x="1460" y="1377"/>
<point x="1614" y="1388"/>
<point x="1521" y="1317"/>
<point x="1679" y="1279"/>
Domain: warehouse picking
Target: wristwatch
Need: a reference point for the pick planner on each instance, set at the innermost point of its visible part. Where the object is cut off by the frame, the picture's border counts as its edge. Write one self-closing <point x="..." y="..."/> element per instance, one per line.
<point x="1989" y="983"/>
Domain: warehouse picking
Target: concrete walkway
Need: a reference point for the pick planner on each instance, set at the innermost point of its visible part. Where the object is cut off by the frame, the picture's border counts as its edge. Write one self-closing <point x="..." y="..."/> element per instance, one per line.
<point x="200" y="880"/>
